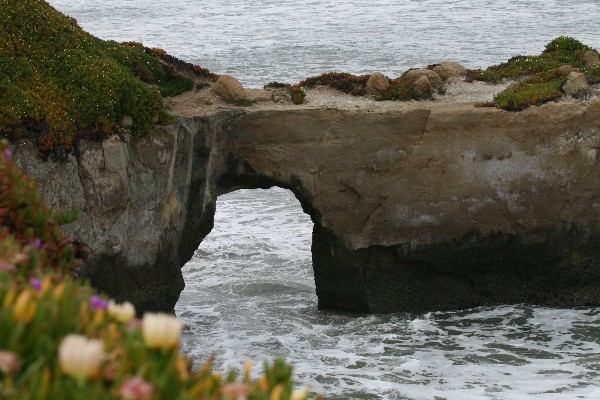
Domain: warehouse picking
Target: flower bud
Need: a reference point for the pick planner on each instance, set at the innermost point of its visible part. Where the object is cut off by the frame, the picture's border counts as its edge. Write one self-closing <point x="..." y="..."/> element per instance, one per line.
<point x="161" y="330"/>
<point x="123" y="312"/>
<point x="79" y="356"/>
<point x="25" y="307"/>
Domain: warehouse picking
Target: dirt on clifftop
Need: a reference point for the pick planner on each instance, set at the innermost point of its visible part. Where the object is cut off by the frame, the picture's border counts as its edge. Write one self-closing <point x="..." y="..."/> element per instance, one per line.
<point x="204" y="100"/>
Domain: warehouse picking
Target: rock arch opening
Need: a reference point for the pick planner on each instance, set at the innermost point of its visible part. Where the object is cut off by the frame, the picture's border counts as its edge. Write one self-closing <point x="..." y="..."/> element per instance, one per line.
<point x="257" y="254"/>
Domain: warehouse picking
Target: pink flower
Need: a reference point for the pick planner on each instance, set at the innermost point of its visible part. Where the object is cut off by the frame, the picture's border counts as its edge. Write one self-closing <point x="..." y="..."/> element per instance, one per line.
<point x="136" y="389"/>
<point x="9" y="362"/>
<point x="236" y="390"/>
<point x="4" y="266"/>
<point x="134" y="324"/>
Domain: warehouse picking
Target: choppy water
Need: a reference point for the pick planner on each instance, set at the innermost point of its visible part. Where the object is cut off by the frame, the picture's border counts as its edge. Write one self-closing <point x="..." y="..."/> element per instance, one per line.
<point x="259" y="41"/>
<point x="249" y="288"/>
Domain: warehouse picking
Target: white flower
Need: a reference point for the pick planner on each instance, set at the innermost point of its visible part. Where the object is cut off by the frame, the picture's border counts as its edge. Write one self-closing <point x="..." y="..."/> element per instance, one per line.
<point x="299" y="394"/>
<point x="79" y="356"/>
<point x="161" y="330"/>
<point x="123" y="312"/>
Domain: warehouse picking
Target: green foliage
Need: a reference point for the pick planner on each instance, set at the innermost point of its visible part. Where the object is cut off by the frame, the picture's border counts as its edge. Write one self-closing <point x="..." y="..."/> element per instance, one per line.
<point x="561" y="51"/>
<point x="342" y="81"/>
<point x="298" y="94"/>
<point x="277" y="85"/>
<point x="566" y="46"/>
<point x="165" y="118"/>
<point x="592" y="74"/>
<point x="545" y="78"/>
<point x="527" y="94"/>
<point x="72" y="83"/>
<point x="42" y="309"/>
<point x="245" y="102"/>
<point x="400" y="89"/>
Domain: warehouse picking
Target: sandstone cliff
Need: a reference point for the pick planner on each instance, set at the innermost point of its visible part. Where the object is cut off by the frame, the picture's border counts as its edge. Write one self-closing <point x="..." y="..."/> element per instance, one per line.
<point x="416" y="206"/>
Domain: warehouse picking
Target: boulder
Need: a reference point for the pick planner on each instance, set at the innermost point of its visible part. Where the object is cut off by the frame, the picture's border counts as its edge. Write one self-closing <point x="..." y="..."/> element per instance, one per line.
<point x="229" y="88"/>
<point x="434" y="79"/>
<point x="566" y="69"/>
<point x="450" y="69"/>
<point x="423" y="88"/>
<point x="576" y="85"/>
<point x="591" y="59"/>
<point x="377" y="83"/>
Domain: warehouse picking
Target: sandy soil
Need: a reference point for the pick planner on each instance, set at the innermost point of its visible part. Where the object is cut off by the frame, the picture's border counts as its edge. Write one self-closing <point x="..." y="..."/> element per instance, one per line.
<point x="205" y="101"/>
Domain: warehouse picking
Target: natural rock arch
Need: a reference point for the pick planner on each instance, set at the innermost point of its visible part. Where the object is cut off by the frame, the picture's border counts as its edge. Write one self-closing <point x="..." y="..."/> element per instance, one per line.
<point x="415" y="207"/>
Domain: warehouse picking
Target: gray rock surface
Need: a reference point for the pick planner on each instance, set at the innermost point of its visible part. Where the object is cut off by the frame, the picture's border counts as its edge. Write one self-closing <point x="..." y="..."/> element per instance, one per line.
<point x="575" y="85"/>
<point x="591" y="59"/>
<point x="450" y="69"/>
<point x="423" y="88"/>
<point x="432" y="76"/>
<point x="418" y="207"/>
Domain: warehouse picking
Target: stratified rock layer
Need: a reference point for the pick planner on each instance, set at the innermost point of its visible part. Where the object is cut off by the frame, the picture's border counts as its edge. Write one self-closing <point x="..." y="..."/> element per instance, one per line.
<point x="416" y="207"/>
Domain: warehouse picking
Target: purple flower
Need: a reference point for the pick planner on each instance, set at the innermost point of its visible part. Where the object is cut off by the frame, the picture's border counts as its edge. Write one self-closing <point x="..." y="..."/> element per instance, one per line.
<point x="37" y="243"/>
<point x="36" y="283"/>
<point x="7" y="154"/>
<point x="97" y="303"/>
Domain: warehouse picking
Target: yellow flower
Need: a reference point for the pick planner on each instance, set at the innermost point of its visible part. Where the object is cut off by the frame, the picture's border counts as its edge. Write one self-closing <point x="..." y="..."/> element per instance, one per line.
<point x="161" y="330"/>
<point x="123" y="312"/>
<point x="25" y="306"/>
<point x="79" y="356"/>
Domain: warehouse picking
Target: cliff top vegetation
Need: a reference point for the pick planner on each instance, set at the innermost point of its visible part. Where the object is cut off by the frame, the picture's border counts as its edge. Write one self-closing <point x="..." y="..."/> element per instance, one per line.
<point x="63" y="83"/>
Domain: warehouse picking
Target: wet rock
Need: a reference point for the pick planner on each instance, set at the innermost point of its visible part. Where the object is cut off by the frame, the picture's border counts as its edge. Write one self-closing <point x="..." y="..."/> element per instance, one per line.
<point x="576" y="85"/>
<point x="423" y="88"/>
<point x="591" y="59"/>
<point x="377" y="83"/>
<point x="229" y="88"/>
<point x="450" y="69"/>
<point x="434" y="79"/>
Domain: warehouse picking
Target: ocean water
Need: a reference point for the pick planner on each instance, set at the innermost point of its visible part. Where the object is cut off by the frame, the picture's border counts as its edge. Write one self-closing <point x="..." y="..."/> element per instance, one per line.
<point x="249" y="287"/>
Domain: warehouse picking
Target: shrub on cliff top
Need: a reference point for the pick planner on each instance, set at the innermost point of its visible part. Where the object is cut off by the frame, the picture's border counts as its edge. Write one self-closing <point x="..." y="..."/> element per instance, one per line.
<point x="563" y="50"/>
<point x="543" y="78"/>
<point x="64" y="83"/>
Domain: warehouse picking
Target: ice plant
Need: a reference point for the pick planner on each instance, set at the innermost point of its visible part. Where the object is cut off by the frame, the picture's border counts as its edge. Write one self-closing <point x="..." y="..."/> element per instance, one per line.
<point x="161" y="330"/>
<point x="79" y="356"/>
<point x="35" y="283"/>
<point x="96" y="303"/>
<point x="123" y="312"/>
<point x="136" y="389"/>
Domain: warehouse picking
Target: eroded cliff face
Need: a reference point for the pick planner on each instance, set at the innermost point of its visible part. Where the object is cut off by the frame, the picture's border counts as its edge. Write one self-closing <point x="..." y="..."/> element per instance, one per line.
<point x="416" y="207"/>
